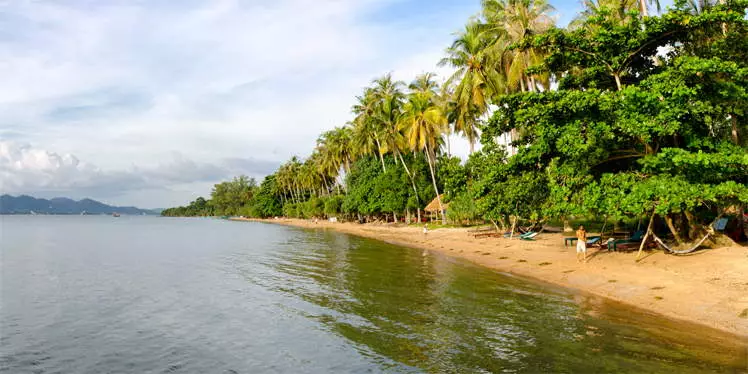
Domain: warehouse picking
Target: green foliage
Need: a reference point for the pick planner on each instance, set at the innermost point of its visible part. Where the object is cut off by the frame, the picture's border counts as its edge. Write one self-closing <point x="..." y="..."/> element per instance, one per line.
<point x="312" y="208"/>
<point x="628" y="132"/>
<point x="452" y="175"/>
<point x="372" y="191"/>
<point x="333" y="205"/>
<point x="198" y="207"/>
<point x="230" y="198"/>
<point x="266" y="202"/>
<point x="292" y="210"/>
<point x="462" y="209"/>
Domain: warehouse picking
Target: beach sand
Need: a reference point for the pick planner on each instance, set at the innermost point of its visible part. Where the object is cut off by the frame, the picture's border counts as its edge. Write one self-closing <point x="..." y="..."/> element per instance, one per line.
<point x="708" y="288"/>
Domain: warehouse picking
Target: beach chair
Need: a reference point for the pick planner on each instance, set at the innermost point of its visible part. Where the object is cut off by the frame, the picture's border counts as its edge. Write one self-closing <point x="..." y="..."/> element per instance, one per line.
<point x="530" y="235"/>
<point x="525" y="236"/>
<point x="594" y="241"/>
<point x="590" y="240"/>
<point x="635" y="238"/>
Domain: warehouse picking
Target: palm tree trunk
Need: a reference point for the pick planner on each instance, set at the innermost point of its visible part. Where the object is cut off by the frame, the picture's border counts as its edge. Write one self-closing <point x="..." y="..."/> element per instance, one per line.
<point x="433" y="180"/>
<point x="412" y="180"/>
<point x="643" y="8"/>
<point x="379" y="150"/>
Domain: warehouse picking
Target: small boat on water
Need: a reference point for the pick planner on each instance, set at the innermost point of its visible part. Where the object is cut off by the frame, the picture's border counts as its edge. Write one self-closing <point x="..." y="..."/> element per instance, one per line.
<point x="115" y="214"/>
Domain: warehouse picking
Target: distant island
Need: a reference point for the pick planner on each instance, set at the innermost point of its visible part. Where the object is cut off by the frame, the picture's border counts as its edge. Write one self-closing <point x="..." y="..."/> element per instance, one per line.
<point x="25" y="204"/>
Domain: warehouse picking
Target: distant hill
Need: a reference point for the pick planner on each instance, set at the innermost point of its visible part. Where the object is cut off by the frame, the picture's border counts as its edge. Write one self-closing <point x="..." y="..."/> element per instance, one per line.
<point x="60" y="205"/>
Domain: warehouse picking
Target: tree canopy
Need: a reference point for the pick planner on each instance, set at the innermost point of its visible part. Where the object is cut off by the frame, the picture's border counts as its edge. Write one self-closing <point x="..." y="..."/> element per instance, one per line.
<point x="620" y="115"/>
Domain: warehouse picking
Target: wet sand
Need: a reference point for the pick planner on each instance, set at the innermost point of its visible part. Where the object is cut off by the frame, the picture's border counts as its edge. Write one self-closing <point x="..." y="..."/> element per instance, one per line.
<point x="708" y="288"/>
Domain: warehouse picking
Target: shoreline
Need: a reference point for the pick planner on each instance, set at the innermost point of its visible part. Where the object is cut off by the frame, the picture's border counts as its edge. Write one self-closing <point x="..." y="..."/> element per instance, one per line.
<point x="709" y="289"/>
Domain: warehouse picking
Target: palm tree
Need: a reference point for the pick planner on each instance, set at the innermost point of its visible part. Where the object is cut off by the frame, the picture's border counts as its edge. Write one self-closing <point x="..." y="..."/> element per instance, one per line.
<point x="366" y="130"/>
<point x="337" y="149"/>
<point x="424" y="123"/>
<point x="511" y="21"/>
<point x="614" y="10"/>
<point x="475" y="81"/>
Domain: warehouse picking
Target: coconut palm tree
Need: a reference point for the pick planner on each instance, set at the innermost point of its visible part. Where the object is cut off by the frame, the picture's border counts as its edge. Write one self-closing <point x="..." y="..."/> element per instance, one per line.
<point x="337" y="149"/>
<point x="475" y="80"/>
<point x="366" y="130"/>
<point x="511" y="21"/>
<point x="424" y="123"/>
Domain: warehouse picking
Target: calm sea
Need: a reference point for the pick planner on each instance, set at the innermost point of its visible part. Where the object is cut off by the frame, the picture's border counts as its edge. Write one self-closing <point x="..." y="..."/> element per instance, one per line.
<point x="98" y="294"/>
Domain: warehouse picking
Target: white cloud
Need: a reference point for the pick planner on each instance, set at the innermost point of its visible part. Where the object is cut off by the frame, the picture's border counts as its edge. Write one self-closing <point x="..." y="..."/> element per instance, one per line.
<point x="130" y="84"/>
<point x="29" y="170"/>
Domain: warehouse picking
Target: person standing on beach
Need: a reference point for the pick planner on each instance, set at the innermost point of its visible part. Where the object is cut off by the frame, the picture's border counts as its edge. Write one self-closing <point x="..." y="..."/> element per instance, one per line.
<point x="582" y="243"/>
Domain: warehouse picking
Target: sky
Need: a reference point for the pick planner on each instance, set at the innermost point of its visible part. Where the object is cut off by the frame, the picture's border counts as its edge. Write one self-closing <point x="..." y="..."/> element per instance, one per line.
<point x="151" y="102"/>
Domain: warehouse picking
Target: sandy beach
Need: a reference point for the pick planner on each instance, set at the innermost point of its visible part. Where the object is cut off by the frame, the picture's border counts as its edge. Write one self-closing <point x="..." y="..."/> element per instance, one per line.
<point x="709" y="288"/>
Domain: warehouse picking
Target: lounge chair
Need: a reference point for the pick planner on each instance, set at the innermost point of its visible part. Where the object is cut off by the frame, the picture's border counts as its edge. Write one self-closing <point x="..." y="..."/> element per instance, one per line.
<point x="594" y="241"/>
<point x="590" y="240"/>
<point x="525" y="236"/>
<point x="528" y="235"/>
<point x="635" y="238"/>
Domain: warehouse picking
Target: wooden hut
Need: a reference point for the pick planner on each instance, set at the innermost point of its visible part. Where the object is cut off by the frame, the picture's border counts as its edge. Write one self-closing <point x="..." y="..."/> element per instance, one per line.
<point x="435" y="214"/>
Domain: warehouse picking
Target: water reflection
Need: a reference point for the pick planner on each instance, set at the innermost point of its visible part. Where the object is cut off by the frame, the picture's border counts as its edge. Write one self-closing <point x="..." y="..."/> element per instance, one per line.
<point x="441" y="315"/>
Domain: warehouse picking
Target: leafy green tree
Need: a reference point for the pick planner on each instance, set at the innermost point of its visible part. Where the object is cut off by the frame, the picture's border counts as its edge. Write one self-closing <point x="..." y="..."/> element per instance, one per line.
<point x="266" y="201"/>
<point x="608" y="141"/>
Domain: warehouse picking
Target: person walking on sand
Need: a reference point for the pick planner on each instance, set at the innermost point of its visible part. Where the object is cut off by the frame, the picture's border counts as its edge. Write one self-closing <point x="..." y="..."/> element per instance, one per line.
<point x="582" y="243"/>
<point x="425" y="230"/>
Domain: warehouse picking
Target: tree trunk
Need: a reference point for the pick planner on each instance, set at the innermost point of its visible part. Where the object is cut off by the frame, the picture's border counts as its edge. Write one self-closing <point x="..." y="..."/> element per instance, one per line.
<point x="410" y="176"/>
<point x="567" y="225"/>
<point x="379" y="150"/>
<point x="673" y="229"/>
<point x="646" y="236"/>
<point x="693" y="226"/>
<point x="735" y="138"/>
<point x="418" y="211"/>
<point x="327" y="187"/>
<point x="394" y="216"/>
<point x="513" y="137"/>
<point x="433" y="180"/>
<point x="495" y="225"/>
<point x="643" y="8"/>
<point x="618" y="78"/>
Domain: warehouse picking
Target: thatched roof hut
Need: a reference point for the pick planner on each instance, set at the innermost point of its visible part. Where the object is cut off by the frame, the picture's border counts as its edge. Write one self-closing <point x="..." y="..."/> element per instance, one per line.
<point x="433" y="208"/>
<point x="434" y="205"/>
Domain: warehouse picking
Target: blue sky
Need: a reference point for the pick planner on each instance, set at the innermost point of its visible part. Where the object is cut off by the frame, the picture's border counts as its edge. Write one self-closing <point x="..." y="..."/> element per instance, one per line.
<point x="151" y="102"/>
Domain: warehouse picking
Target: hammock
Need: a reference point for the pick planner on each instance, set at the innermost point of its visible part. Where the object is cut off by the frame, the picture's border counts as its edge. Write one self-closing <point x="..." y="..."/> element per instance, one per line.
<point x="678" y="252"/>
